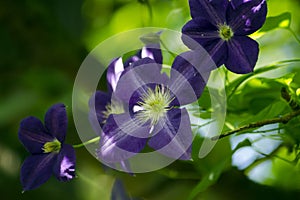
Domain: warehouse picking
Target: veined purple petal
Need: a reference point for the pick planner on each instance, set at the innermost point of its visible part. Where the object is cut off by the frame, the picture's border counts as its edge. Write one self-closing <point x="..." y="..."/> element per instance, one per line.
<point x="189" y="74"/>
<point x="212" y="10"/>
<point x="56" y="121"/>
<point x="36" y="170"/>
<point x="114" y="71"/>
<point x="175" y="138"/>
<point x="242" y="54"/>
<point x="64" y="168"/>
<point x="118" y="141"/>
<point x="139" y="74"/>
<point x="246" y="16"/>
<point x="201" y="31"/>
<point x="33" y="135"/>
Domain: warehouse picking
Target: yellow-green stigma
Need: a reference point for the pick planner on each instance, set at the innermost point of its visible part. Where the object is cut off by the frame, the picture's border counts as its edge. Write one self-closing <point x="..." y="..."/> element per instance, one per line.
<point x="114" y="107"/>
<point x="53" y="146"/>
<point x="155" y="103"/>
<point x="225" y="32"/>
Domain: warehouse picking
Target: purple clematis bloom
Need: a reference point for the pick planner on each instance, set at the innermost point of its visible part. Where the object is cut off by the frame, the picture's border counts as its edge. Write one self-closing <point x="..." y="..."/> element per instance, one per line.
<point x="103" y="104"/>
<point x="49" y="154"/>
<point x="222" y="26"/>
<point x="152" y="114"/>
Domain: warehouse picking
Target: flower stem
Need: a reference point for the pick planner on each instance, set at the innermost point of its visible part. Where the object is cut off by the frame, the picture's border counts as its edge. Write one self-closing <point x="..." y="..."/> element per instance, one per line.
<point x="284" y="119"/>
<point x="94" y="140"/>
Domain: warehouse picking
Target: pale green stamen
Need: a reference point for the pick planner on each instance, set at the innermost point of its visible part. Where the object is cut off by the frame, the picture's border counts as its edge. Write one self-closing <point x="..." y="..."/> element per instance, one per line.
<point x="155" y="103"/>
<point x="225" y="32"/>
<point x="53" y="146"/>
<point x="114" y="107"/>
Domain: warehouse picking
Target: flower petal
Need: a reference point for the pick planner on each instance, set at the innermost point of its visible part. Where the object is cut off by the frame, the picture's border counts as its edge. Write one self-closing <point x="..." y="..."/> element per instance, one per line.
<point x="189" y="75"/>
<point x="100" y="100"/>
<point x="36" y="170"/>
<point x="175" y="138"/>
<point x="152" y="51"/>
<point x="56" y="121"/>
<point x="114" y="71"/>
<point x="136" y="76"/>
<point x="132" y="59"/>
<point x="121" y="139"/>
<point x="212" y="10"/>
<point x="33" y="135"/>
<point x="242" y="54"/>
<point x="64" y="168"/>
<point x="246" y="17"/>
<point x="199" y="30"/>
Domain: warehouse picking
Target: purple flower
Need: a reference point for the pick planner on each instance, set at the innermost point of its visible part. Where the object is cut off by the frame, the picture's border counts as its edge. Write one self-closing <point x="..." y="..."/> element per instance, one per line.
<point x="49" y="154"/>
<point x="222" y="26"/>
<point x="152" y="114"/>
<point x="103" y="104"/>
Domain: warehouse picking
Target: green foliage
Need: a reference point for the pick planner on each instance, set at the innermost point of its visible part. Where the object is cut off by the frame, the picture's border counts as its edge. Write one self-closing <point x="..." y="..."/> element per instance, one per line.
<point x="43" y="44"/>
<point x="280" y="21"/>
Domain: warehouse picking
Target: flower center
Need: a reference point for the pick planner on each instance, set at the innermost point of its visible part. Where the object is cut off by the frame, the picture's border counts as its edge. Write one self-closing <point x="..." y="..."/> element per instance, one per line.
<point x="154" y="104"/>
<point x="114" y="107"/>
<point x="53" y="146"/>
<point x="225" y="32"/>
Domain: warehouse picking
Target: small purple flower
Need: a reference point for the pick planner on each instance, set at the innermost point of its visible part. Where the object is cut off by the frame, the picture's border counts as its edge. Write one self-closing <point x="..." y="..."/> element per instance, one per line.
<point x="49" y="154"/>
<point x="152" y="114"/>
<point x="103" y="104"/>
<point x="222" y="26"/>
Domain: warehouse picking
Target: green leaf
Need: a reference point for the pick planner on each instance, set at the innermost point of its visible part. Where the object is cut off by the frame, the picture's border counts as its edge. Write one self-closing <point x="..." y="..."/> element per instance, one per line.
<point x="234" y="85"/>
<point x="280" y="21"/>
<point x="273" y="110"/>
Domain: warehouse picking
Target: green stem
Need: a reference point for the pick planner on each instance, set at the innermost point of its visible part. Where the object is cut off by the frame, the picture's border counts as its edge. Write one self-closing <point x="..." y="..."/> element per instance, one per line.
<point x="94" y="140"/>
<point x="269" y="130"/>
<point x="284" y="119"/>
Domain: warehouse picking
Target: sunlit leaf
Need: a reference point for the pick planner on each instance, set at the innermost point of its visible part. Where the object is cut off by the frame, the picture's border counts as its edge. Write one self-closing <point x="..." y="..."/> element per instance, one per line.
<point x="280" y="21"/>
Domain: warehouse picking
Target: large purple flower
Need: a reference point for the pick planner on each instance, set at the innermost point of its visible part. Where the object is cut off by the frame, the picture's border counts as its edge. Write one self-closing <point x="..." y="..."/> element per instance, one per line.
<point x="49" y="154"/>
<point x="222" y="26"/>
<point x="152" y="114"/>
<point x="103" y="104"/>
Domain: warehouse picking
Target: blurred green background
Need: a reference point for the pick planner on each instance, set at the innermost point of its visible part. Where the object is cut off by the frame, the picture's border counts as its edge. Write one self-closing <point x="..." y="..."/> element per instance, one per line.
<point x="42" y="45"/>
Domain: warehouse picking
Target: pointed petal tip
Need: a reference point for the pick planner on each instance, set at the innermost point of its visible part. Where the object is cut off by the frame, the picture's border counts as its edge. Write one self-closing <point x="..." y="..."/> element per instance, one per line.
<point x="36" y="170"/>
